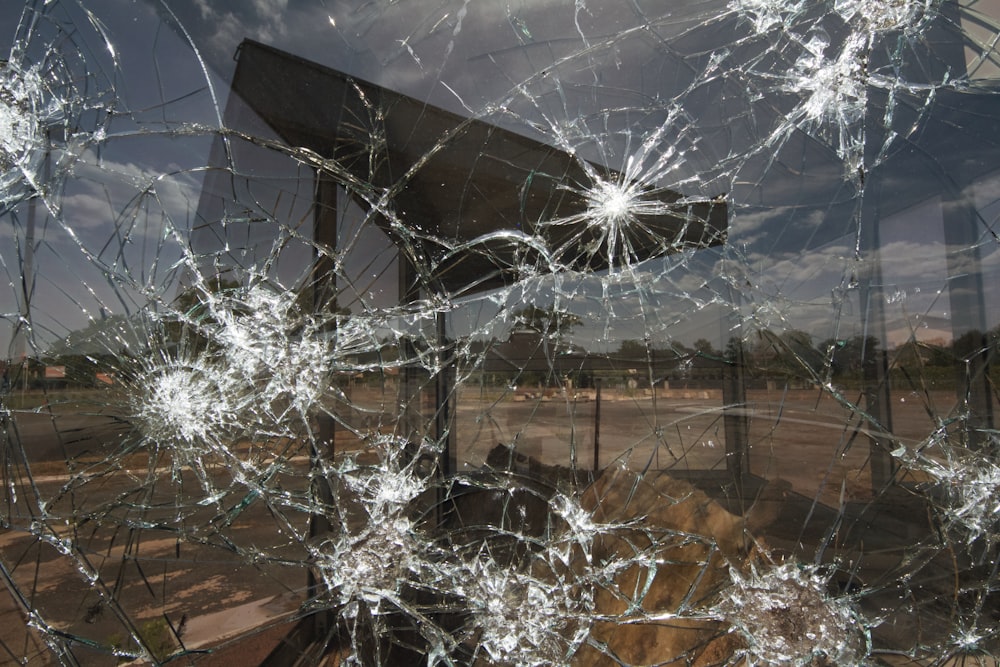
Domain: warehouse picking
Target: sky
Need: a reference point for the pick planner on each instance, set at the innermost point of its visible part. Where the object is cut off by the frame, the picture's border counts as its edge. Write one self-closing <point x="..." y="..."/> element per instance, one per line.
<point x="594" y="82"/>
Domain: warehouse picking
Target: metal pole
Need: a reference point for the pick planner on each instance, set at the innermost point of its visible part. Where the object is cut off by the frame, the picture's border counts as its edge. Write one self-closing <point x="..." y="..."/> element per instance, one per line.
<point x="444" y="388"/>
<point x="597" y="424"/>
<point x="322" y="449"/>
<point x="28" y="270"/>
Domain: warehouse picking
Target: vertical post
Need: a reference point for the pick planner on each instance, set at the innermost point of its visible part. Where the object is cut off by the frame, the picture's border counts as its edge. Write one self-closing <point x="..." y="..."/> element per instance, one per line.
<point x="21" y="330"/>
<point x="597" y="425"/>
<point x="966" y="297"/>
<point x="964" y="230"/>
<point x="324" y="284"/>
<point x="27" y="289"/>
<point x="409" y="394"/>
<point x="875" y="371"/>
<point x="874" y="359"/>
<point x="324" y="290"/>
<point x="444" y="424"/>
<point x="734" y="401"/>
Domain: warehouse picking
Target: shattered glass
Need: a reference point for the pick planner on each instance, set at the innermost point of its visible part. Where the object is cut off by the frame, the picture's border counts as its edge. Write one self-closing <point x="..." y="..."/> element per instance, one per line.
<point x="500" y="333"/>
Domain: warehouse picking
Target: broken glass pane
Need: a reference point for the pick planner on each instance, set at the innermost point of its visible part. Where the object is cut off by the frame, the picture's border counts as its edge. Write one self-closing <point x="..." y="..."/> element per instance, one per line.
<point x="454" y="333"/>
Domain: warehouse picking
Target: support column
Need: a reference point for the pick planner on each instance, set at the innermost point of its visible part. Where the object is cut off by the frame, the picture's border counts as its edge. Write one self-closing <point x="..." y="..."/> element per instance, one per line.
<point x="324" y="295"/>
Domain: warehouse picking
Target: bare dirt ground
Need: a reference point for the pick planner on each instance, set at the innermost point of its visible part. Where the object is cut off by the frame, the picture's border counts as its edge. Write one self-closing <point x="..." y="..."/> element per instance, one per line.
<point x="817" y="444"/>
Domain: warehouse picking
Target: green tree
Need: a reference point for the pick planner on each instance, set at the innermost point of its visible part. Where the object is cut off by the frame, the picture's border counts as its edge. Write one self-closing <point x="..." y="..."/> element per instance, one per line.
<point x="790" y="353"/>
<point x="704" y="346"/>
<point x="545" y="321"/>
<point x="191" y="308"/>
<point x="632" y="349"/>
<point x="847" y="356"/>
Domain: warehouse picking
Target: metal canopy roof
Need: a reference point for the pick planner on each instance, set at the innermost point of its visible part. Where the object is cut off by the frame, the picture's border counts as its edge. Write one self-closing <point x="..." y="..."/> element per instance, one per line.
<point x="452" y="180"/>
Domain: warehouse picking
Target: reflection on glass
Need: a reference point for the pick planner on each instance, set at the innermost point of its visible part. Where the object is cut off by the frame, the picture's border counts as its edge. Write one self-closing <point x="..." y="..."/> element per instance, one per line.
<point x="489" y="333"/>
